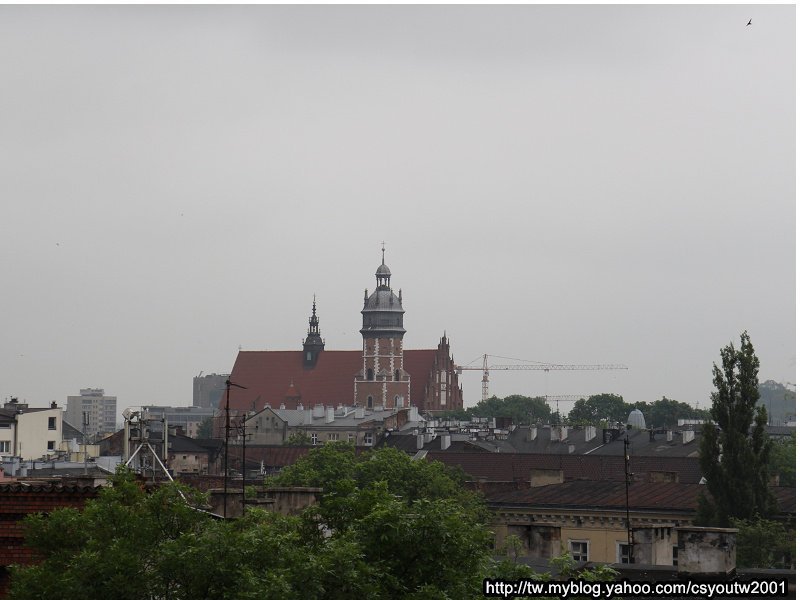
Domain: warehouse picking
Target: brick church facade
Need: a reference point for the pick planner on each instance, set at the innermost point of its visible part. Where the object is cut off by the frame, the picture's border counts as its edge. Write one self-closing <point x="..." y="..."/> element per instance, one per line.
<point x="382" y="374"/>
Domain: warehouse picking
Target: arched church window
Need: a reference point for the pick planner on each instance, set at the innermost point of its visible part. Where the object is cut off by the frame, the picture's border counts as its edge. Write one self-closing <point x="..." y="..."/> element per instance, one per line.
<point x="397" y="374"/>
<point x="370" y="374"/>
<point x="369" y="401"/>
<point x="398" y="402"/>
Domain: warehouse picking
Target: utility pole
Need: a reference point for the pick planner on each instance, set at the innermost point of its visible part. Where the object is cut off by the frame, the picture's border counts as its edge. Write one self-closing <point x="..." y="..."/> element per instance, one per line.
<point x="625" y="444"/>
<point x="228" y="384"/>
<point x="85" y="447"/>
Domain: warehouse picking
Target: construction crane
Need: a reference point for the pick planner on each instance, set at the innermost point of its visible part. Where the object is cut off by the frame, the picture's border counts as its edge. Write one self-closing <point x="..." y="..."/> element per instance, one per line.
<point x="529" y="367"/>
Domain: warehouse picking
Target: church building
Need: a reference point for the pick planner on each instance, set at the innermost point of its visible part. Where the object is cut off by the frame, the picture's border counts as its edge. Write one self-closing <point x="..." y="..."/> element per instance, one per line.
<point x="382" y="375"/>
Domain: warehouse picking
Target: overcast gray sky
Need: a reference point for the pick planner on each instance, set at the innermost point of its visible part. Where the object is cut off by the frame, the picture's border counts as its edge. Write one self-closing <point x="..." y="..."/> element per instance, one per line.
<point x="568" y="184"/>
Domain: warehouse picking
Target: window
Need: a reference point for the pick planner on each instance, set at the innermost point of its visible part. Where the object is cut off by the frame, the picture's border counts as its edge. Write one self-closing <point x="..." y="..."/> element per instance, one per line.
<point x="313" y="439"/>
<point x="368" y="439"/>
<point x="5" y="447"/>
<point x="332" y="437"/>
<point x="369" y="401"/>
<point x="370" y="374"/>
<point x="51" y="445"/>
<point x="398" y="402"/>
<point x="674" y="556"/>
<point x="51" y="423"/>
<point x="350" y="437"/>
<point x="397" y="374"/>
<point x="624" y="554"/>
<point x="579" y="551"/>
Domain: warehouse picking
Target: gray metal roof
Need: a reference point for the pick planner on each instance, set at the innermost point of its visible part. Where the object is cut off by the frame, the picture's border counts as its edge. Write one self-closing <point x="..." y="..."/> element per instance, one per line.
<point x="383" y="299"/>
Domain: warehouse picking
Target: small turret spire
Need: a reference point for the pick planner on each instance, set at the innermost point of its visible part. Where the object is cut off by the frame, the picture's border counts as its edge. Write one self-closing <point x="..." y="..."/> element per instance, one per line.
<point x="313" y="344"/>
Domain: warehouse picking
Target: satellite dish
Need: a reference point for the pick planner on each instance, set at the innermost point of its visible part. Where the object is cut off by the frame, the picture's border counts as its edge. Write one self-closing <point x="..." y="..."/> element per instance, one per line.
<point x="129" y="413"/>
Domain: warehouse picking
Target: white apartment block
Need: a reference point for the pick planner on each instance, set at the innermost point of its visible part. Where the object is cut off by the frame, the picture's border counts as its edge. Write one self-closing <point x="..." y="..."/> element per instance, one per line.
<point x="30" y="433"/>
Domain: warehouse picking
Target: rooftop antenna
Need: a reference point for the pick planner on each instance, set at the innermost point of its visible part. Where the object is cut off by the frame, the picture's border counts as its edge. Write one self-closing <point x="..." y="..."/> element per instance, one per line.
<point x="625" y="445"/>
<point x="228" y="384"/>
<point x="140" y="419"/>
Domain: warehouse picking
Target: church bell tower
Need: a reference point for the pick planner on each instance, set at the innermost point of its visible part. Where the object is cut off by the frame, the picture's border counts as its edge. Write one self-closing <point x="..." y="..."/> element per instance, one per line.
<point x="382" y="380"/>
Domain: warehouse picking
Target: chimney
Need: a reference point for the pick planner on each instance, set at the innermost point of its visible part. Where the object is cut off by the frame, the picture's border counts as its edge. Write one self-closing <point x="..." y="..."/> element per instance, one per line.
<point x="307" y="417"/>
<point x="669" y="435"/>
<point x="590" y="432"/>
<point x="706" y="551"/>
<point x="413" y="414"/>
<point x="299" y="406"/>
<point x="687" y="436"/>
<point x="571" y="449"/>
<point x="445" y="441"/>
<point x="53" y="404"/>
<point x="532" y="433"/>
<point x="428" y="436"/>
<point x="329" y="414"/>
<point x="359" y="412"/>
<point x="319" y="411"/>
<point x="282" y="406"/>
<point x="420" y="441"/>
<point x="558" y="433"/>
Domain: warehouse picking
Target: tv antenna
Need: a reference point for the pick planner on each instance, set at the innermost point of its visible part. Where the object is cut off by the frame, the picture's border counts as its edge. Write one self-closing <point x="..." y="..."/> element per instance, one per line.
<point x="228" y="384"/>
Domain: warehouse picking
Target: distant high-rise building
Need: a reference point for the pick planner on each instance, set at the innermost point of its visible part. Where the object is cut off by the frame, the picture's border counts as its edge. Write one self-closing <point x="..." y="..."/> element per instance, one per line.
<point x="100" y="411"/>
<point x="208" y="390"/>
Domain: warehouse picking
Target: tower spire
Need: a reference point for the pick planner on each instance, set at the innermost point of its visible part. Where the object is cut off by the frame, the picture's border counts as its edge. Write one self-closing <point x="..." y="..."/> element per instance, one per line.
<point x="313" y="344"/>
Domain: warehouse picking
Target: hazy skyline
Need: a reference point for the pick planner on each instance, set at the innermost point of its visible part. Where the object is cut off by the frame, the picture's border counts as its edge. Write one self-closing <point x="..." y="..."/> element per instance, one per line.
<point x="566" y="184"/>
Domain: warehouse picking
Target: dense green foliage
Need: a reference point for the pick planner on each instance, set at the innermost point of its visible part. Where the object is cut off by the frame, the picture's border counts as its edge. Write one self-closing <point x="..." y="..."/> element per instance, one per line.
<point x="610" y="408"/>
<point x="779" y="400"/>
<point x="735" y="451"/>
<point x="764" y="544"/>
<point x="600" y="407"/>
<point x="522" y="409"/>
<point x="299" y="438"/>
<point x="783" y="459"/>
<point x="666" y="412"/>
<point x="386" y="527"/>
<point x="205" y="429"/>
<point x="593" y="410"/>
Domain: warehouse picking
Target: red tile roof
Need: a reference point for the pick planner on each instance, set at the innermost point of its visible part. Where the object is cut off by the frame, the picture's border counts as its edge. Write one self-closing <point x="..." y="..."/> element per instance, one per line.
<point x="268" y="374"/>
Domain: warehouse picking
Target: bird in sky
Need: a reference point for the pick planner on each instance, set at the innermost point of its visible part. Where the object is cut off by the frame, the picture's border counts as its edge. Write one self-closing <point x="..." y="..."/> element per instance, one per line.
<point x="750" y="22"/>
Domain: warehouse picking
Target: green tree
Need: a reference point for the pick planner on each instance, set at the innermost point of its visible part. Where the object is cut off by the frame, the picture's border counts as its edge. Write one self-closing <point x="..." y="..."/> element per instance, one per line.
<point x="780" y="401"/>
<point x="735" y="451"/>
<point x="387" y="528"/>
<point x="783" y="459"/>
<point x="205" y="429"/>
<point x="666" y="412"/>
<point x="599" y="407"/>
<point x="521" y="409"/>
<point x="299" y="438"/>
<point x="764" y="544"/>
